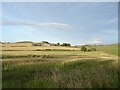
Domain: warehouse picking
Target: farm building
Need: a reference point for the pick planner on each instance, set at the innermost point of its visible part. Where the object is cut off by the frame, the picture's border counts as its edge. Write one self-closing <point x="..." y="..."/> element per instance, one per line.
<point x="43" y="44"/>
<point x="36" y="44"/>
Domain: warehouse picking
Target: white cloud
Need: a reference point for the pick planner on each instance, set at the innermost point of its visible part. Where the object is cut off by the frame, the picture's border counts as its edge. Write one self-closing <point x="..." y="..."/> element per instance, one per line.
<point x="95" y="41"/>
<point x="37" y="24"/>
<point x="91" y="41"/>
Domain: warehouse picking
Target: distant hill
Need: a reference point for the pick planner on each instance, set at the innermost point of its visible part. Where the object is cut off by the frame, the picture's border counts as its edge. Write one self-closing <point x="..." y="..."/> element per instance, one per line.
<point x="25" y="42"/>
<point x="110" y="49"/>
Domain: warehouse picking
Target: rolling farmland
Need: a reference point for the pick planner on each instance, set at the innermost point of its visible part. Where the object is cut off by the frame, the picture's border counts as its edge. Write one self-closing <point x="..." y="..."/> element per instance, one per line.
<point x="26" y="66"/>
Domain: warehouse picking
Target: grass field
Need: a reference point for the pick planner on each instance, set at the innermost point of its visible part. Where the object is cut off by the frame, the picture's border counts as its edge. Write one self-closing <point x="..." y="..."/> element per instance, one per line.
<point x="110" y="49"/>
<point x="24" y="67"/>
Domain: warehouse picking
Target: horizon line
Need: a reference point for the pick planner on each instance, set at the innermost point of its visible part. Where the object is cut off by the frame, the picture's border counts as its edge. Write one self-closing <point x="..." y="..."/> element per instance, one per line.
<point x="28" y="41"/>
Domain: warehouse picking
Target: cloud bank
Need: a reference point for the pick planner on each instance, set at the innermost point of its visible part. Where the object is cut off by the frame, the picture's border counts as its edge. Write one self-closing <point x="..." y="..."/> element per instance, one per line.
<point x="53" y="25"/>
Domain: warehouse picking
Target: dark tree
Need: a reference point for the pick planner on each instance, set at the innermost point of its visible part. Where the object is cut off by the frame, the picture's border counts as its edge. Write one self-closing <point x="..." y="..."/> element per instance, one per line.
<point x="58" y="44"/>
<point x="65" y="44"/>
<point x="45" y="42"/>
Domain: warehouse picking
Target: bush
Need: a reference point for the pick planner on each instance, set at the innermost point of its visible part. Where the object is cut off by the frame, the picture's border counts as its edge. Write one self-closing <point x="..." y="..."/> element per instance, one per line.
<point x="92" y="49"/>
<point x="83" y="48"/>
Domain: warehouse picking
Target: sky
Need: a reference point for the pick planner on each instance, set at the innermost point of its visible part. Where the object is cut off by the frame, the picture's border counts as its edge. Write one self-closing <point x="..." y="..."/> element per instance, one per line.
<point x="77" y="23"/>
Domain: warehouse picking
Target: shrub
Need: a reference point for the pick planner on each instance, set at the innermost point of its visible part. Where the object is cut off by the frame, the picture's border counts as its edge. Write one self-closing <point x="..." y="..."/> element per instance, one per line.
<point x="94" y="49"/>
<point x="89" y="50"/>
<point x="83" y="48"/>
<point x="47" y="49"/>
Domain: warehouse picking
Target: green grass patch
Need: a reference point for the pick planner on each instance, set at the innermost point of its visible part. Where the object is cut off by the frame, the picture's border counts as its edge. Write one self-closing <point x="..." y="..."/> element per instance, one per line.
<point x="110" y="49"/>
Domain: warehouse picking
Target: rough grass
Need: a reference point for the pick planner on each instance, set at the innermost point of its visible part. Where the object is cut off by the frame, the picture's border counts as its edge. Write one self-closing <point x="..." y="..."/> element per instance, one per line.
<point x="77" y="74"/>
<point x="50" y="72"/>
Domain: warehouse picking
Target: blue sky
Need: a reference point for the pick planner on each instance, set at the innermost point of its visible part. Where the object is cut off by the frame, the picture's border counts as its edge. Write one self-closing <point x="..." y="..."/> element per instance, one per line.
<point x="75" y="23"/>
